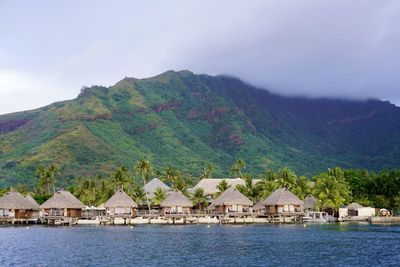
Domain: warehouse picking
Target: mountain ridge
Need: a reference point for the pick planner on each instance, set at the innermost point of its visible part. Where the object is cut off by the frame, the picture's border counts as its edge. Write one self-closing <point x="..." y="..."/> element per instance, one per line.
<point x="188" y="120"/>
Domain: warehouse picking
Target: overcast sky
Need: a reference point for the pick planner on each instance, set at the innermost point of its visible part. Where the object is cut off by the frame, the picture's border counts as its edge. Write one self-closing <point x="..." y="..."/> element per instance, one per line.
<point x="50" y="49"/>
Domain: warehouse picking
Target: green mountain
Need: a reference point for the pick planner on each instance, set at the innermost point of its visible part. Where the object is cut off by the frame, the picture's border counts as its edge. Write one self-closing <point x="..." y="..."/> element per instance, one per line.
<point x="187" y="121"/>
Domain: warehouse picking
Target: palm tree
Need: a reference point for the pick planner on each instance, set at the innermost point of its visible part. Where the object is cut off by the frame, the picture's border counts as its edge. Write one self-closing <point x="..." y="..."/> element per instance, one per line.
<point x="266" y="188"/>
<point x="206" y="172"/>
<point x="180" y="184"/>
<point x="171" y="174"/>
<point x="52" y="172"/>
<point x="248" y="189"/>
<point x="121" y="178"/>
<point x="237" y="167"/>
<point x="159" y="196"/>
<point x="139" y="195"/>
<point x="302" y="187"/>
<point x="199" y="199"/>
<point x="331" y="189"/>
<point x="144" y="169"/>
<point x="222" y="186"/>
<point x="286" y="178"/>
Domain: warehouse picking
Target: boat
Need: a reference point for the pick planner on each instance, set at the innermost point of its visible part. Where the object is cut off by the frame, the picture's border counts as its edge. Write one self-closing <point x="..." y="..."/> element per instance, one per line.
<point x="317" y="217"/>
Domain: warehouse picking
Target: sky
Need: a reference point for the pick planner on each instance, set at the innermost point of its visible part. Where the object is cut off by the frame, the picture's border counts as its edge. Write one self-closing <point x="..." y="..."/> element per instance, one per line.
<point x="333" y="48"/>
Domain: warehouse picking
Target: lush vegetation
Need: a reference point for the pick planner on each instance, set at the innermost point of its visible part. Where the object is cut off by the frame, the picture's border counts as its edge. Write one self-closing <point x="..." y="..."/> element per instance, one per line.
<point x="186" y="120"/>
<point x="332" y="188"/>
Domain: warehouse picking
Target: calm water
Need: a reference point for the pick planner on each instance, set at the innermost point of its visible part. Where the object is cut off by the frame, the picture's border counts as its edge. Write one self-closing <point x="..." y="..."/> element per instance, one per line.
<point x="248" y="245"/>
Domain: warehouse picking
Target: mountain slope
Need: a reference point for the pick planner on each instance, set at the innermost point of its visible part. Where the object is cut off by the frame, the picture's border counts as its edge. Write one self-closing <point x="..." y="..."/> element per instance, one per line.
<point x="188" y="121"/>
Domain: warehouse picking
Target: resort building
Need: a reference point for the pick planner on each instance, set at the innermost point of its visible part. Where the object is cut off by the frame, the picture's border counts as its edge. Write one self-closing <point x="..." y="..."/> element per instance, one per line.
<point x="15" y="207"/>
<point x="355" y="212"/>
<point x="62" y="204"/>
<point x="231" y="202"/>
<point x="210" y="185"/>
<point x="310" y="203"/>
<point x="176" y="203"/>
<point x="121" y="205"/>
<point x="282" y="201"/>
<point x="152" y="186"/>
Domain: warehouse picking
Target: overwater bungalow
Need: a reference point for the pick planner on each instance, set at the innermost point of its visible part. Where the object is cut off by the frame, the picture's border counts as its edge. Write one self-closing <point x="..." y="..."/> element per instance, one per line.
<point x="231" y="202"/>
<point x="62" y="204"/>
<point x="121" y="205"/>
<point x="153" y="185"/>
<point x="176" y="203"/>
<point x="16" y="208"/>
<point x="310" y="203"/>
<point x="282" y="201"/>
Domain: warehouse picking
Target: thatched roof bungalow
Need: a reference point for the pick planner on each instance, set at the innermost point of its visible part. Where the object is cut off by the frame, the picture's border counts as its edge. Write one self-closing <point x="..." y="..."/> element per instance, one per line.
<point x="63" y="204"/>
<point x="176" y="203"/>
<point x="231" y="201"/>
<point x="310" y="203"/>
<point x="152" y="186"/>
<point x="14" y="205"/>
<point x="120" y="204"/>
<point x="282" y="201"/>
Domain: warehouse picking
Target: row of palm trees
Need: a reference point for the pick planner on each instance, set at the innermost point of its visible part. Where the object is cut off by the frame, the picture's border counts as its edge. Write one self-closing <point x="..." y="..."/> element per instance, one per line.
<point x="333" y="188"/>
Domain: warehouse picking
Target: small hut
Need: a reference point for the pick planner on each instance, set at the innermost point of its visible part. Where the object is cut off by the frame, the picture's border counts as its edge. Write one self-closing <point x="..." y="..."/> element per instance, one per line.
<point x="282" y="201"/>
<point x="15" y="206"/>
<point x="310" y="203"/>
<point x="231" y="201"/>
<point x="352" y="209"/>
<point x="121" y="205"/>
<point x="63" y="204"/>
<point x="176" y="203"/>
<point x="152" y="186"/>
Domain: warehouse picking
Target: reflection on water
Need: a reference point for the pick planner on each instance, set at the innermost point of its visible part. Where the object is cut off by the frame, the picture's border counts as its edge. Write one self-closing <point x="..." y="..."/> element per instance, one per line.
<point x="227" y="245"/>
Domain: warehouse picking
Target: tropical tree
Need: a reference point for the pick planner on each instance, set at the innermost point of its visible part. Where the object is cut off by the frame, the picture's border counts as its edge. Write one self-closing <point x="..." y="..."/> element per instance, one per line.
<point x="144" y="169"/>
<point x="139" y="195"/>
<point x="265" y="188"/>
<point x="248" y="189"/>
<point x="285" y="178"/>
<point x="121" y="178"/>
<point x="206" y="172"/>
<point x="47" y="179"/>
<point x="237" y="167"/>
<point x="181" y="184"/>
<point x="86" y="190"/>
<point x="199" y="199"/>
<point x="222" y="186"/>
<point x="302" y="187"/>
<point x="171" y="174"/>
<point x="331" y="189"/>
<point x="159" y="196"/>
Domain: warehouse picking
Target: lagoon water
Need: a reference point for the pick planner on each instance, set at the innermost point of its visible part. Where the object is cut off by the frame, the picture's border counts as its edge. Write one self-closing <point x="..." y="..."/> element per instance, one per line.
<point x="199" y="245"/>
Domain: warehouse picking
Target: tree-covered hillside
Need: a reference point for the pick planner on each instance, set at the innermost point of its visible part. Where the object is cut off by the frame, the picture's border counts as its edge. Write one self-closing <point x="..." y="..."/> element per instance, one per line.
<point x="188" y="121"/>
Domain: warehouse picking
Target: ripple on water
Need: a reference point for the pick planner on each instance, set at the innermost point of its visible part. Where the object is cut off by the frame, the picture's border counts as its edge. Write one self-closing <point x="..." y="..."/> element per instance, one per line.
<point x="228" y="245"/>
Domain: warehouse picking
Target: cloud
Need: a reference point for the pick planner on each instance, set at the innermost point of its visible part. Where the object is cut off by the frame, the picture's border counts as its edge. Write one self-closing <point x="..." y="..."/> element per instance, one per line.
<point x="312" y="48"/>
<point x="21" y="91"/>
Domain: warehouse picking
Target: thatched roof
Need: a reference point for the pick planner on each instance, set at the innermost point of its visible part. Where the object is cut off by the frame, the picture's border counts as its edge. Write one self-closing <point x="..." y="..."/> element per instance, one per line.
<point x="14" y="200"/>
<point x="282" y="196"/>
<point x="354" y="206"/>
<point x="62" y="200"/>
<point x="210" y="185"/>
<point x="121" y="200"/>
<point x="259" y="206"/>
<point x="309" y="202"/>
<point x="176" y="198"/>
<point x="152" y="186"/>
<point x="33" y="202"/>
<point x="231" y="196"/>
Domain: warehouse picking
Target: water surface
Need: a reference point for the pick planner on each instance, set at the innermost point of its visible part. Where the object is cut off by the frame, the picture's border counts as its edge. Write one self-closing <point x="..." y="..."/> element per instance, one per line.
<point x="216" y="245"/>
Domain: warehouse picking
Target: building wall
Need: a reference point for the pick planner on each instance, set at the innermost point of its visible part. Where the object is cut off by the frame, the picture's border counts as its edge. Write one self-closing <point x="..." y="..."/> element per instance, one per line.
<point x="176" y="210"/>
